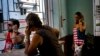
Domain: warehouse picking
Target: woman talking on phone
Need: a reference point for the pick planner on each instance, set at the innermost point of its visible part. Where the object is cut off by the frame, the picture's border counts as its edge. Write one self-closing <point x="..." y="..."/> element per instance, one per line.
<point x="44" y="38"/>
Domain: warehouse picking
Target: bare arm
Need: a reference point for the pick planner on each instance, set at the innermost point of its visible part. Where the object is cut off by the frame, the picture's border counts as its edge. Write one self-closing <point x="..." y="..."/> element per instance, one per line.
<point x="31" y="47"/>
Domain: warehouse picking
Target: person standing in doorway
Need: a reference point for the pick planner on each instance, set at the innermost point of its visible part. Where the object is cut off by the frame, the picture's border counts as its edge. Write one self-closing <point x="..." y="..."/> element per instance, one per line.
<point x="78" y="33"/>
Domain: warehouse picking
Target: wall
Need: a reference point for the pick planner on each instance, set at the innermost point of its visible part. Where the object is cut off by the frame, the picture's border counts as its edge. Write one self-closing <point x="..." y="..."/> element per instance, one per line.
<point x="59" y="13"/>
<point x="5" y="9"/>
<point x="84" y="6"/>
<point x="0" y="5"/>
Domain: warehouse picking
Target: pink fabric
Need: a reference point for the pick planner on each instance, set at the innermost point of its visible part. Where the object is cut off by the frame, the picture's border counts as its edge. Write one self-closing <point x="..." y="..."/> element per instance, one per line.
<point x="75" y="38"/>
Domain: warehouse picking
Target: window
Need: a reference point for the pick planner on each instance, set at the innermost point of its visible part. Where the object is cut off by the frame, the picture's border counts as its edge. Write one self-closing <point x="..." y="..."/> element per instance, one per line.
<point x="18" y="9"/>
<point x="97" y="17"/>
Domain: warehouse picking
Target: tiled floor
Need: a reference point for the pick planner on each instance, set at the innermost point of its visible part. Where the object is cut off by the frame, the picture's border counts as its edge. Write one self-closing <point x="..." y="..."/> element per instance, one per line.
<point x="14" y="53"/>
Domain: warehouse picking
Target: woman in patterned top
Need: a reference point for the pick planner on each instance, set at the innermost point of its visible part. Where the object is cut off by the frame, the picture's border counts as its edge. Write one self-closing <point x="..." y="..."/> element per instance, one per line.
<point x="78" y="33"/>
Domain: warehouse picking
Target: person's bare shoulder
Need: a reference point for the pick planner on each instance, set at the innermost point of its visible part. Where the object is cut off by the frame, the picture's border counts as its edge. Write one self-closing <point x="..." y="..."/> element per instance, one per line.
<point x="21" y="35"/>
<point x="37" y="39"/>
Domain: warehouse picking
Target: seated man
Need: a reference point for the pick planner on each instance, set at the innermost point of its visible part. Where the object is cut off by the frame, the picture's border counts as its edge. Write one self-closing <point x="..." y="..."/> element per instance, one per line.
<point x="16" y="38"/>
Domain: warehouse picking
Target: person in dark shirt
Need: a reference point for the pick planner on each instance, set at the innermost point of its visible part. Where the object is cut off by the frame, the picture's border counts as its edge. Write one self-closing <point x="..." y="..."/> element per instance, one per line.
<point x="44" y="38"/>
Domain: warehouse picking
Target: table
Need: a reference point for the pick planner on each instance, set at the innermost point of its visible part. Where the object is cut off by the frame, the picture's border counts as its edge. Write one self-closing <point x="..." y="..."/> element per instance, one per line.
<point x="14" y="52"/>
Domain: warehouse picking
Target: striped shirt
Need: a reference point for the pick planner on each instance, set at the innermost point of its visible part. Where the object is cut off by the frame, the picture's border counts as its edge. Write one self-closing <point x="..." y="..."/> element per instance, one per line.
<point x="75" y="38"/>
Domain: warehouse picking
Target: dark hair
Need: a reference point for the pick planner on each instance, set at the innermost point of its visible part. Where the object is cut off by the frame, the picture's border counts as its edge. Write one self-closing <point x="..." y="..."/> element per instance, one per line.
<point x="15" y="22"/>
<point x="80" y="17"/>
<point x="33" y="20"/>
<point x="79" y="14"/>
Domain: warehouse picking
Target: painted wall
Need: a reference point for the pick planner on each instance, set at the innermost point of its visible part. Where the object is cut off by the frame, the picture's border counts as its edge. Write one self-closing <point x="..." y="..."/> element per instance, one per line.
<point x="84" y="6"/>
<point x="56" y="14"/>
<point x="59" y="13"/>
<point x="5" y="9"/>
<point x="64" y="18"/>
<point x="11" y="5"/>
<point x="0" y="5"/>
